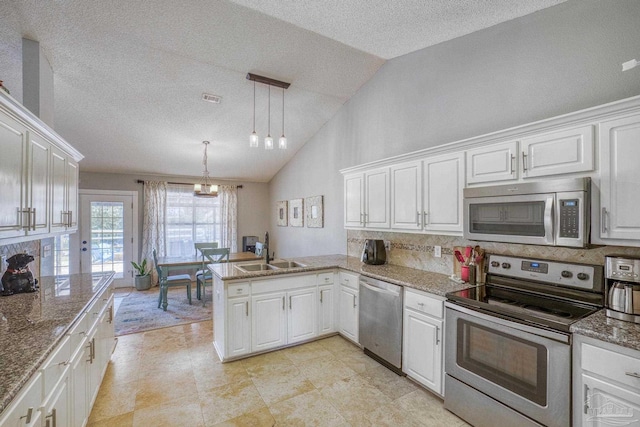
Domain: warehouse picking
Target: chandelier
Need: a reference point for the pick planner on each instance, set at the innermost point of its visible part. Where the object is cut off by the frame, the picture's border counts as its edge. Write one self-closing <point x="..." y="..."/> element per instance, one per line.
<point x="254" y="140"/>
<point x="205" y="188"/>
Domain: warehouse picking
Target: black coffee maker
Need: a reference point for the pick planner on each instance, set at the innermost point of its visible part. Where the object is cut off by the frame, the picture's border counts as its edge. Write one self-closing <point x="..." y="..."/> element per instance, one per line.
<point x="374" y="252"/>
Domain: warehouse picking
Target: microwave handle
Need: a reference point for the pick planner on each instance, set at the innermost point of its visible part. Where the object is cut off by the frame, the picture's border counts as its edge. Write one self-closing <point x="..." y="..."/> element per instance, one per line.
<point x="548" y="221"/>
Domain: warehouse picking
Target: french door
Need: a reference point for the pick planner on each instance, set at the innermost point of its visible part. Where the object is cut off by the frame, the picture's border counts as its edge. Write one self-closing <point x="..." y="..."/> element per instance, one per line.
<point x="108" y="234"/>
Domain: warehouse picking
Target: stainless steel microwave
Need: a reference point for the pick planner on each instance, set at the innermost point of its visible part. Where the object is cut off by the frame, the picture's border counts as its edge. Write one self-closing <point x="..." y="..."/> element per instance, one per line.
<point x="551" y="213"/>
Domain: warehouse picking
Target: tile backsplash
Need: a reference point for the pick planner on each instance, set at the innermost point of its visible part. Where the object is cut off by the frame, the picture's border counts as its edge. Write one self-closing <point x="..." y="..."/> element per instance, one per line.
<point x="417" y="250"/>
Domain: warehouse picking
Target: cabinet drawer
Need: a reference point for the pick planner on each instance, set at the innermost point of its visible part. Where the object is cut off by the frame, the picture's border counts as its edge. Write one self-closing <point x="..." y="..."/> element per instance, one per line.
<point x="238" y="290"/>
<point x="56" y="364"/>
<point x="325" y="278"/>
<point x="349" y="280"/>
<point x="423" y="303"/>
<point x="611" y="365"/>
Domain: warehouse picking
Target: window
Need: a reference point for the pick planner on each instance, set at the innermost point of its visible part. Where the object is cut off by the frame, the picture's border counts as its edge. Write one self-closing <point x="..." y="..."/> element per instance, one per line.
<point x="61" y="255"/>
<point x="190" y="219"/>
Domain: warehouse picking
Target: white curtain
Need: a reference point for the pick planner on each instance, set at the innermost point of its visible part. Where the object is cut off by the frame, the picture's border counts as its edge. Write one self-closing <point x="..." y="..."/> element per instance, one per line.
<point x="229" y="216"/>
<point x="153" y="231"/>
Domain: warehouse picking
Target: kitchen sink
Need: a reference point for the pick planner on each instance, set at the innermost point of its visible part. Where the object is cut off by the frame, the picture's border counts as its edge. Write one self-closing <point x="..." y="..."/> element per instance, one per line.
<point x="286" y="264"/>
<point x="254" y="267"/>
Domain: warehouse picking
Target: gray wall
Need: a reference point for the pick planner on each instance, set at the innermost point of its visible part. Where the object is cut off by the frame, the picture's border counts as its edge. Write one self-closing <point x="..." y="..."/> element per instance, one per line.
<point x="561" y="59"/>
<point x="253" y="198"/>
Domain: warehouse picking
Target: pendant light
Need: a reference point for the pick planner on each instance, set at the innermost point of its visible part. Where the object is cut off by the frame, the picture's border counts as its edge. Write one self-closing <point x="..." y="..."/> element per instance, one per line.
<point x="205" y="188"/>
<point x="282" y="142"/>
<point x="268" y="141"/>
<point x="254" y="140"/>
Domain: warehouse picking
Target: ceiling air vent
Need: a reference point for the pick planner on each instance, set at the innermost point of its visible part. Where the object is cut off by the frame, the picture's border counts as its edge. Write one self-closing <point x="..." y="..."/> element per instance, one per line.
<point x="211" y="98"/>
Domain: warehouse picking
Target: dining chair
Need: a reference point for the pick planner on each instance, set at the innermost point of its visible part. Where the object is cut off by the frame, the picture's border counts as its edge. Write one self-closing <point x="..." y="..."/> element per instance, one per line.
<point x="203" y="274"/>
<point x="167" y="281"/>
<point x="214" y="256"/>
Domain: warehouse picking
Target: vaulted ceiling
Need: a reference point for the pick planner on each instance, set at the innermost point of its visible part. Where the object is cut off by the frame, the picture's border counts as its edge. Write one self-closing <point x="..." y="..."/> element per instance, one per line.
<point x="129" y="75"/>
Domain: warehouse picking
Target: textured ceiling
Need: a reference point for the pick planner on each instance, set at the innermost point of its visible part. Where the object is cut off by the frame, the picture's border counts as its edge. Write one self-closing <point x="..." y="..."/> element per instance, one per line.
<point x="129" y="75"/>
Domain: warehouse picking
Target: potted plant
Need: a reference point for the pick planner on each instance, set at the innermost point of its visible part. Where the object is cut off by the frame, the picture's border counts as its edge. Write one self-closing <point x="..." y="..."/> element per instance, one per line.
<point x="143" y="278"/>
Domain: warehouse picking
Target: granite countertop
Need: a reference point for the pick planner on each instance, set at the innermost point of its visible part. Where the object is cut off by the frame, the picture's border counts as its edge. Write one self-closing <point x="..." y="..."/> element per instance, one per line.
<point x="32" y="324"/>
<point x="433" y="283"/>
<point x="603" y="328"/>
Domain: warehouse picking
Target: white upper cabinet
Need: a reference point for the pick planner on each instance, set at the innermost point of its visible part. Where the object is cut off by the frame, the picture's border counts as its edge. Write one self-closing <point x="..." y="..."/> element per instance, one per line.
<point x="353" y="200"/>
<point x="367" y="199"/>
<point x="493" y="163"/>
<point x="443" y="181"/>
<point x="377" y="200"/>
<point x="13" y="145"/>
<point x="619" y="179"/>
<point x="560" y="152"/>
<point x="39" y="176"/>
<point x="406" y="196"/>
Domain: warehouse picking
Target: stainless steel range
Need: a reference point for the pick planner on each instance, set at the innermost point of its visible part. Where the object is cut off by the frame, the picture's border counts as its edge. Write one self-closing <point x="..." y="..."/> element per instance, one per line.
<point x="508" y="349"/>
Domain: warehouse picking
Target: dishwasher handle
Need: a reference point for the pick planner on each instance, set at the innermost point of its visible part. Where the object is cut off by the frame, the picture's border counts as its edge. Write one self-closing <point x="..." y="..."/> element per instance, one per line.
<point x="378" y="290"/>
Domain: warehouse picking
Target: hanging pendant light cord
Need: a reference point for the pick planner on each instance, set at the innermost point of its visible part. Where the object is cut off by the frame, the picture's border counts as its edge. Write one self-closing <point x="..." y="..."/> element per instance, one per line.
<point x="282" y="111"/>
<point x="254" y="106"/>
<point x="269" y="132"/>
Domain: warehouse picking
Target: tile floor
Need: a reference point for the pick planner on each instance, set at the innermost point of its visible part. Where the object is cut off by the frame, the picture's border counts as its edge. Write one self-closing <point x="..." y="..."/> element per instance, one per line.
<point x="172" y="377"/>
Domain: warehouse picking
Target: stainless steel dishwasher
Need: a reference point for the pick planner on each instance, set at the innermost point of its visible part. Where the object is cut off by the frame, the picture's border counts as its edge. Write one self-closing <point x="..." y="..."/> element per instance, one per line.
<point x="381" y="322"/>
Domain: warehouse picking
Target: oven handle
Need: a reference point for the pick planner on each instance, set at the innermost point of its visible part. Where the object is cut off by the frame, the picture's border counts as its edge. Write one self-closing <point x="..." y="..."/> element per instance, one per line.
<point x="548" y="221"/>
<point x="556" y="336"/>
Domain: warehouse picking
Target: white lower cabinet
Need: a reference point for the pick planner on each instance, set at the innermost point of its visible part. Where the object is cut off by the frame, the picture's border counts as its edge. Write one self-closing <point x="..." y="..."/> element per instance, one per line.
<point x="327" y="310"/>
<point x="269" y="325"/>
<point x="267" y="313"/>
<point x="422" y="353"/>
<point x="239" y="330"/>
<point x="23" y="411"/>
<point x="303" y="315"/>
<point x="349" y="313"/>
<point x="606" y="383"/>
<point x="57" y="409"/>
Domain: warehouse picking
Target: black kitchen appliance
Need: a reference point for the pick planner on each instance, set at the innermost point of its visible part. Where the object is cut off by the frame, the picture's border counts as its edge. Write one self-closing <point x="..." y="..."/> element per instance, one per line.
<point x="249" y="243"/>
<point x="374" y="252"/>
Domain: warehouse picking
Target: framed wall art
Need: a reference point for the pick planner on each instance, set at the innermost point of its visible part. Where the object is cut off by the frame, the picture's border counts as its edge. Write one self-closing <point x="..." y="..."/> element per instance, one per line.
<point x="282" y="213"/>
<point x="296" y="215"/>
<point x="314" y="211"/>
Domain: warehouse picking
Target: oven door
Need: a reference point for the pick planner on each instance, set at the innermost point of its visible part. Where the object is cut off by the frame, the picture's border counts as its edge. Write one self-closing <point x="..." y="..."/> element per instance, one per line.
<point x="511" y="363"/>
<point x="527" y="219"/>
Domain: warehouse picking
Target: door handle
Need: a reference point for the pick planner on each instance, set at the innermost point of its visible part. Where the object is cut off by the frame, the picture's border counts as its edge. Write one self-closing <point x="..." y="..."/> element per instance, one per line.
<point x="585" y="399"/>
<point x="424" y="217"/>
<point x="321" y="296"/>
<point x="437" y="333"/>
<point x="33" y="224"/>
<point x="354" y="301"/>
<point x="603" y="220"/>
<point x="513" y="160"/>
<point x="246" y="308"/>
<point x="289" y="302"/>
<point x="524" y="162"/>
<point x="282" y="303"/>
<point x="69" y="218"/>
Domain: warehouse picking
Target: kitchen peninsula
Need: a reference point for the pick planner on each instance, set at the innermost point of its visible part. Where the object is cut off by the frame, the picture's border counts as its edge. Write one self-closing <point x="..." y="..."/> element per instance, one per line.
<point x="257" y="311"/>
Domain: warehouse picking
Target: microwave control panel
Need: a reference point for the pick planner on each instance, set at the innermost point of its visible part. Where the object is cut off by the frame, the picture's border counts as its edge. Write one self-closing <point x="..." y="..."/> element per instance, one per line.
<point x="570" y="218"/>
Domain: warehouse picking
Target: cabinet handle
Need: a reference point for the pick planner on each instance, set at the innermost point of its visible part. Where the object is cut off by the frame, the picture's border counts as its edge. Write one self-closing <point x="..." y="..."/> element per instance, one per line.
<point x="603" y="220"/>
<point x="289" y="302"/>
<point x="524" y="162"/>
<point x="33" y="224"/>
<point x="21" y="213"/>
<point x="585" y="399"/>
<point x="321" y="296"/>
<point x="65" y="363"/>
<point x="437" y="333"/>
<point x="282" y="303"/>
<point x="361" y="218"/>
<point x="246" y="308"/>
<point x="69" y="218"/>
<point x="53" y="418"/>
<point x="418" y="219"/>
<point x="424" y="217"/>
<point x="513" y="160"/>
<point x="354" y="301"/>
<point x="110" y="313"/>
<point x="633" y="374"/>
<point x="28" y="416"/>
